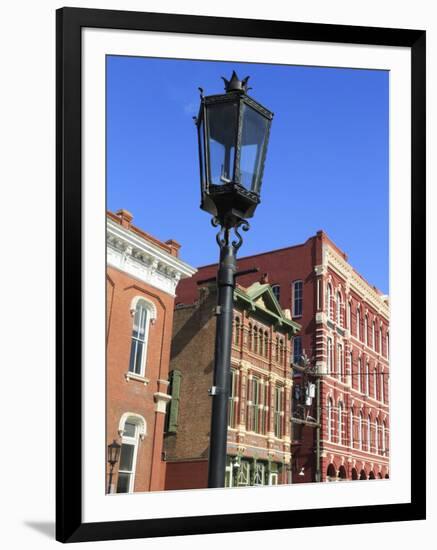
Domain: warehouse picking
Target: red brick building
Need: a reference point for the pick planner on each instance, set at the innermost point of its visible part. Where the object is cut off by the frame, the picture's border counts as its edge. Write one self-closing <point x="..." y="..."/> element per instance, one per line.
<point x="259" y="429"/>
<point x="345" y="334"/>
<point x="142" y="275"/>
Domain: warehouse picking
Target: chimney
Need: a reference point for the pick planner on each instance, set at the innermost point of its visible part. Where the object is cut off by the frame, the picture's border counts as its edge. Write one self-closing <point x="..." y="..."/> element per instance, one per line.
<point x="174" y="247"/>
<point x="125" y="218"/>
<point x="264" y="279"/>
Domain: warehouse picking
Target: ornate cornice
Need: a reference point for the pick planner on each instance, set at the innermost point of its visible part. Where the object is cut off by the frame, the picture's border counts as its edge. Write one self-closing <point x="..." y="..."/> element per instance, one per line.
<point x="333" y="260"/>
<point x="144" y="260"/>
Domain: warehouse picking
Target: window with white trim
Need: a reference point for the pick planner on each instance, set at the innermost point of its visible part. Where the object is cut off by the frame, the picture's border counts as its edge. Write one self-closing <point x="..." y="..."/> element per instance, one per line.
<point x="358" y="331"/>
<point x="340" y="423"/>
<point x="380" y="341"/>
<point x="349" y="316"/>
<point x="297" y="298"/>
<point x="339" y="307"/>
<point x="140" y="329"/>
<point x="278" y="411"/>
<point x="381" y="387"/>
<point x="360" y="430"/>
<point x="128" y="457"/>
<point x="328" y="301"/>
<point x="360" y="376"/>
<point x="369" y="433"/>
<point x="351" y="428"/>
<point x="329" y="356"/>
<point x="330" y="419"/>
<point x="376" y="436"/>
<point x="373" y="336"/>
<point x="366" y="330"/>
<point x="340" y="362"/>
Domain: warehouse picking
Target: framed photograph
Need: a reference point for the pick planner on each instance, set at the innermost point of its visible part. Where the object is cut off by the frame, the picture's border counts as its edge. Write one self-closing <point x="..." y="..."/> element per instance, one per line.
<point x="265" y="370"/>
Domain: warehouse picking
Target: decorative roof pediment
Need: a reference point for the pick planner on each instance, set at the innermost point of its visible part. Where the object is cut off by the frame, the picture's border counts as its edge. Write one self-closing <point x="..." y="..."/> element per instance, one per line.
<point x="261" y="297"/>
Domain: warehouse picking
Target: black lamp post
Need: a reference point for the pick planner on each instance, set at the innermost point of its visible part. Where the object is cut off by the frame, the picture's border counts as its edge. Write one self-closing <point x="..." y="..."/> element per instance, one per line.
<point x="233" y="131"/>
<point x="113" y="456"/>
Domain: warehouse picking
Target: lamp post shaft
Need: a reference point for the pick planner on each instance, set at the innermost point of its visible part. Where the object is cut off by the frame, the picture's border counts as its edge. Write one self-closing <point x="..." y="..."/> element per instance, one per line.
<point x="222" y="362"/>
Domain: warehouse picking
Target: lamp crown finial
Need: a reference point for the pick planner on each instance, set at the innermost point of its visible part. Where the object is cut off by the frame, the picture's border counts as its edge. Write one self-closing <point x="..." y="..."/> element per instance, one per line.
<point x="235" y="84"/>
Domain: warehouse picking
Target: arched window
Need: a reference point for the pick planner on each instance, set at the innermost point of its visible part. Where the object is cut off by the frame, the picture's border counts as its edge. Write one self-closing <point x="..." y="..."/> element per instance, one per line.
<point x="339" y="308"/>
<point x="360" y="430"/>
<point x="381" y="387"/>
<point x="277" y="348"/>
<point x="369" y="433"/>
<point x="375" y="383"/>
<point x="250" y="341"/>
<point x="387" y="344"/>
<point x="340" y="362"/>
<point x="329" y="301"/>
<point x="367" y="379"/>
<point x="349" y="316"/>
<point x="255" y="340"/>
<point x="384" y="444"/>
<point x="366" y="329"/>
<point x="380" y="341"/>
<point x="373" y="336"/>
<point x="340" y="423"/>
<point x="266" y="344"/>
<point x="351" y="428"/>
<point x="133" y="427"/>
<point x="329" y="357"/>
<point x="360" y="376"/>
<point x="358" y="331"/>
<point x="237" y="331"/>
<point x="351" y="369"/>
<point x="376" y="436"/>
<point x="140" y="331"/>
<point x="330" y="419"/>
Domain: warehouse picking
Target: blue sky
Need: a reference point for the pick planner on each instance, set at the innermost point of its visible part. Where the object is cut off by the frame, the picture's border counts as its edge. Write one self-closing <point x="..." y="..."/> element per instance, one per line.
<point x="326" y="168"/>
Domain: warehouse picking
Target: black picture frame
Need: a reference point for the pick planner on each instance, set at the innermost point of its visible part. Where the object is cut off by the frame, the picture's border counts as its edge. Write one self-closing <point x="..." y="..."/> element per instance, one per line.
<point x="69" y="525"/>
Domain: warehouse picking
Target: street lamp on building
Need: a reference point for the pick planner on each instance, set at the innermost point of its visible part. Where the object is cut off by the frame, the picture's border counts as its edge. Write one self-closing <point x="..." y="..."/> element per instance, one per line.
<point x="233" y="132"/>
<point x="113" y="456"/>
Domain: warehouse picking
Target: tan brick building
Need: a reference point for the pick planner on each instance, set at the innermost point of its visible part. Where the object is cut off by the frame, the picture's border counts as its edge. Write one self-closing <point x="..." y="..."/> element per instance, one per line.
<point x="260" y="402"/>
<point x="142" y="275"/>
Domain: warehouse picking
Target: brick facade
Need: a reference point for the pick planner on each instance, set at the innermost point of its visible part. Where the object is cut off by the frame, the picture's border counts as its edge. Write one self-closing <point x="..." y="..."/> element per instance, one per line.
<point x="137" y="383"/>
<point x="352" y="366"/>
<point x="260" y="403"/>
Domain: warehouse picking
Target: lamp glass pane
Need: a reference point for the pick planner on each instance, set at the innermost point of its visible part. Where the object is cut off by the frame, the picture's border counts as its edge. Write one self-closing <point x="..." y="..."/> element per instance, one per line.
<point x="202" y="153"/>
<point x="222" y="136"/>
<point x="253" y="142"/>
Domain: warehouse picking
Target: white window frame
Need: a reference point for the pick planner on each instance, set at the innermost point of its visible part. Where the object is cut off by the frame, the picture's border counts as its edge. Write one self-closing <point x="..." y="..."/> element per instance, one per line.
<point x="358" y="328"/>
<point x="340" y="362"/>
<point x="150" y="315"/>
<point x="133" y="441"/>
<point x="360" y="430"/>
<point x="340" y="423"/>
<point x="360" y="375"/>
<point x="330" y="419"/>
<point x="366" y="330"/>
<point x="273" y="476"/>
<point x="328" y="301"/>
<point x="351" y="428"/>
<point x="369" y="434"/>
<point x="339" y="302"/>
<point x="373" y="336"/>
<point x="376" y="436"/>
<point x="329" y="357"/>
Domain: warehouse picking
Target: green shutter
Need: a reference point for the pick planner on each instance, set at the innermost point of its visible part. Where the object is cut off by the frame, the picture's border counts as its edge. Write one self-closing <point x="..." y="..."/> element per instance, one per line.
<point x="173" y="406"/>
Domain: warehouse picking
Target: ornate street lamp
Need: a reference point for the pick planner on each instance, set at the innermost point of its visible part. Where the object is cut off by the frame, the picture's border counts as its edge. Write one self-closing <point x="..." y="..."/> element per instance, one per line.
<point x="113" y="456"/>
<point x="233" y="131"/>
